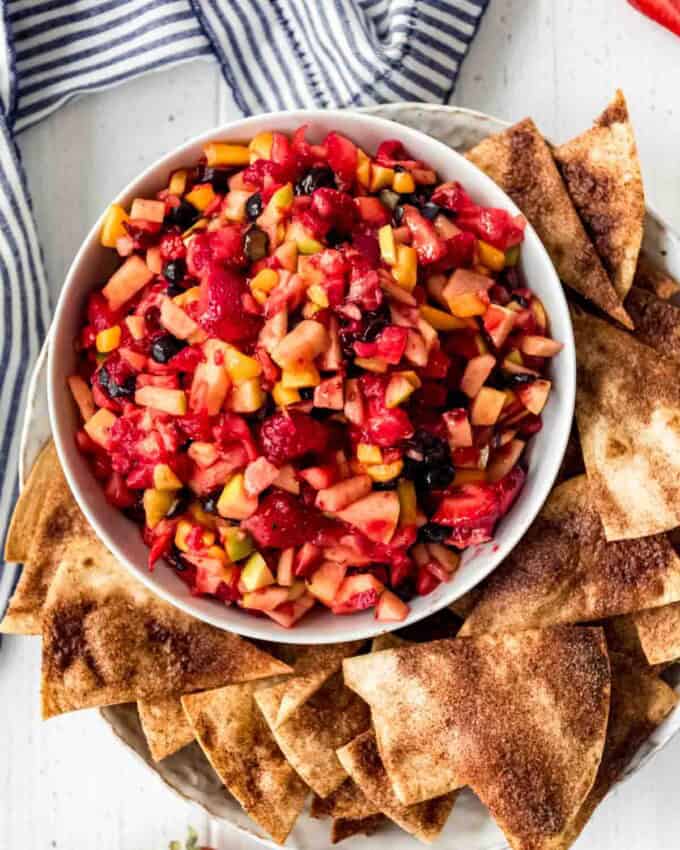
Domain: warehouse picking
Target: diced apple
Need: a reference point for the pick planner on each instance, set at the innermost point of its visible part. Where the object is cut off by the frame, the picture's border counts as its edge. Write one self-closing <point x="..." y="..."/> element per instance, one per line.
<point x="154" y="260"/>
<point x="126" y="281"/>
<point x="289" y="613"/>
<point x="82" y="395"/>
<point x="331" y="358"/>
<point x="160" y="398"/>
<point x="476" y="372"/>
<point x="498" y="323"/>
<point x="540" y="346"/>
<point x="147" y="210"/>
<point x="157" y="503"/>
<point x="264" y="599"/>
<point x="238" y="543"/>
<point x="305" y="342"/>
<point x="487" y="406"/>
<point x="416" y="350"/>
<point x="246" y="397"/>
<point x="175" y="320"/>
<point x="356" y="593"/>
<point x="273" y="331"/>
<point x="464" y="282"/>
<point x="459" y="428"/>
<point x="342" y="495"/>
<point x="287" y="480"/>
<point x="234" y="502"/>
<point x="203" y="454"/>
<point x="375" y="515"/>
<point x="99" y="425"/>
<point x="429" y="334"/>
<point x="354" y="403"/>
<point x="513" y="368"/>
<point x="256" y="574"/>
<point x="326" y="580"/>
<point x="137" y="326"/>
<point x="391" y="609"/>
<point x="284" y="570"/>
<point x="330" y="394"/>
<point x="164" y="478"/>
<point x="304" y="375"/>
<point x="503" y="460"/>
<point x="534" y="395"/>
<point x="258" y="475"/>
<point x="449" y="559"/>
<point x="368" y="453"/>
<point x="306" y="559"/>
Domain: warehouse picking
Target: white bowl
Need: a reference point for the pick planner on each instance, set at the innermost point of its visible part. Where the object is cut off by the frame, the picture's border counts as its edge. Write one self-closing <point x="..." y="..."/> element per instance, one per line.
<point x="93" y="264"/>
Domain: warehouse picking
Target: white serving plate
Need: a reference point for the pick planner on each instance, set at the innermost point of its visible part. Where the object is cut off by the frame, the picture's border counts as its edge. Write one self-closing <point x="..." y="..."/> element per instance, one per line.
<point x="188" y="772"/>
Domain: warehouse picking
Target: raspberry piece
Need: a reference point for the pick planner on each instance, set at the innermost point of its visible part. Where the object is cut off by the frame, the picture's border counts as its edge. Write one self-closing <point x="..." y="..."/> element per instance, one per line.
<point x="281" y="521"/>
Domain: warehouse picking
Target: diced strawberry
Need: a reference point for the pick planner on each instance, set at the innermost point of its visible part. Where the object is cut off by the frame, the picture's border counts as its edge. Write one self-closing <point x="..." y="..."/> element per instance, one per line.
<point x="425" y="240"/>
<point x="372" y="211"/>
<point x="342" y="157"/>
<point x="281" y="521"/>
<point x="335" y="209"/>
<point x="509" y="488"/>
<point x="390" y="345"/>
<point x="99" y="314"/>
<point x="285" y="436"/>
<point x="117" y="492"/>
<point x="452" y="197"/>
<point x="160" y="540"/>
<point x="471" y="511"/>
<point x="426" y="581"/>
<point x="495" y="226"/>
<point x="221" y="311"/>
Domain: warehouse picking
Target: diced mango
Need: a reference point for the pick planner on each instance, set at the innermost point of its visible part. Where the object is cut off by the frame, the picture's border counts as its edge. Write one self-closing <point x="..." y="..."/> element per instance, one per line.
<point x="246" y="396"/>
<point x="157" y="503"/>
<point x="108" y="339"/>
<point x="381" y="177"/>
<point x="186" y="297"/>
<point x="466" y="305"/>
<point x="99" y="425"/>
<point x="490" y="257"/>
<point x="403" y="183"/>
<point x="161" y="398"/>
<point x="222" y="153"/>
<point x="385" y="471"/>
<point x="305" y="376"/>
<point x="368" y="453"/>
<point x="201" y="197"/>
<point x="260" y="146"/>
<point x="234" y="502"/>
<point x="147" y="210"/>
<point x="182" y="531"/>
<point x="256" y="573"/>
<point x="240" y="366"/>
<point x="178" y="182"/>
<point x="283" y="396"/>
<point x="265" y="280"/>
<point x="441" y="320"/>
<point x="318" y="295"/>
<point x="307" y="245"/>
<point x="405" y="270"/>
<point x="164" y="478"/>
<point x="408" y="504"/>
<point x="388" y="251"/>
<point x="114" y="226"/>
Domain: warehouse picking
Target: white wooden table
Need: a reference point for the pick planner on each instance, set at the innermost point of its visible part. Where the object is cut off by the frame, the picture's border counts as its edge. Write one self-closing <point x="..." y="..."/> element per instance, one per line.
<point x="68" y="784"/>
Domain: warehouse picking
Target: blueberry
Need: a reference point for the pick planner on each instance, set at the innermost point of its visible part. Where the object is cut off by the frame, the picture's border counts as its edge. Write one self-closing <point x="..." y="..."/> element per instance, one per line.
<point x="334" y="238"/>
<point x="431" y="447"/>
<point x="389" y="198"/>
<point x="114" y="389"/>
<point x="317" y="177"/>
<point x="411" y="468"/>
<point x="210" y="502"/>
<point x="406" y="591"/>
<point x="373" y="329"/>
<point x="431" y="532"/>
<point x="174" y="289"/>
<point x="174" y="271"/>
<point x="521" y="300"/>
<point x="385" y="485"/>
<point x="398" y="213"/>
<point x="175" y="559"/>
<point x="254" y="206"/>
<point x="306" y="393"/>
<point x="520" y="379"/>
<point x="181" y="503"/>
<point x="437" y="477"/>
<point x="218" y="178"/>
<point x="256" y="244"/>
<point x="183" y="215"/>
<point x="166" y="346"/>
<point x="455" y="399"/>
<point x="430" y="210"/>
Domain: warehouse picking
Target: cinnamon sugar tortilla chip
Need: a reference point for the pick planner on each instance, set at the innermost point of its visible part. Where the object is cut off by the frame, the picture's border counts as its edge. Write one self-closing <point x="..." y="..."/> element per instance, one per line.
<point x="640" y="700"/>
<point x="658" y="633"/>
<point x="602" y="173"/>
<point x="520" y="162"/>
<point x="314" y="665"/>
<point x="346" y="827"/>
<point x="107" y="640"/>
<point x="424" y="820"/>
<point x="654" y="279"/>
<point x="311" y="735"/>
<point x="628" y="413"/>
<point x="520" y="718"/>
<point x="165" y="726"/>
<point x="564" y="571"/>
<point x="348" y="801"/>
<point x="45" y="519"/>
<point x="657" y="322"/>
<point x="238" y="743"/>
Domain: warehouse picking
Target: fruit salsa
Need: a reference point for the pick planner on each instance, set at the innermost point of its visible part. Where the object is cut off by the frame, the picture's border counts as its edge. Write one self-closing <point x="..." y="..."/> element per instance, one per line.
<point x="312" y="377"/>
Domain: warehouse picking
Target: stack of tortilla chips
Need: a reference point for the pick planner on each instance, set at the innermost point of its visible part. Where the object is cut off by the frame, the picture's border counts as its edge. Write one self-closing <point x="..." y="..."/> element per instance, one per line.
<point x="541" y="698"/>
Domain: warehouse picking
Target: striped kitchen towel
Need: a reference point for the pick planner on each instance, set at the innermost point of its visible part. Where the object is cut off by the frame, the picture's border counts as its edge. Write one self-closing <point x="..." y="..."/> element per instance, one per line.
<point x="274" y="54"/>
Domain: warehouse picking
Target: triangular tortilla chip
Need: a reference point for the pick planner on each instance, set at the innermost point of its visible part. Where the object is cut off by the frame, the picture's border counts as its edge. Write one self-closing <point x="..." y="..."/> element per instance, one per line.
<point x="45" y="519"/>
<point x="107" y="640"/>
<point x="654" y="279"/>
<point x="520" y="162"/>
<point x="658" y="632"/>
<point x="520" y="718"/>
<point x="346" y="827"/>
<point x="165" y="726"/>
<point x="234" y="736"/>
<point x="424" y="821"/>
<point x="347" y="801"/>
<point x="657" y="322"/>
<point x="572" y="462"/>
<point x="602" y="173"/>
<point x="309" y="738"/>
<point x="564" y="571"/>
<point x="628" y="412"/>
<point x="314" y="665"/>
<point x="640" y="700"/>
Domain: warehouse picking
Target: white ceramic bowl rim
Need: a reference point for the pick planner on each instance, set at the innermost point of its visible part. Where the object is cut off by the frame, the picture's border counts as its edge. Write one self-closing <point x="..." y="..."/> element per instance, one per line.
<point x="316" y="628"/>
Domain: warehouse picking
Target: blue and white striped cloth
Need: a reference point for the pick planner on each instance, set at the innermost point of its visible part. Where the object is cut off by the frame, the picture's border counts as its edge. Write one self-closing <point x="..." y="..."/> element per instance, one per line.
<point x="274" y="54"/>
